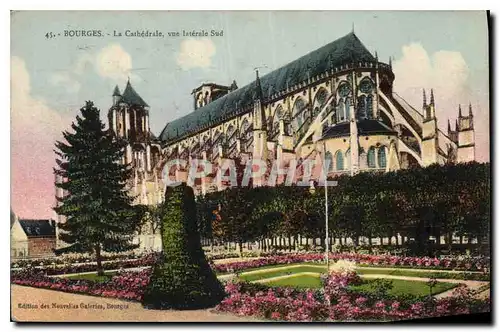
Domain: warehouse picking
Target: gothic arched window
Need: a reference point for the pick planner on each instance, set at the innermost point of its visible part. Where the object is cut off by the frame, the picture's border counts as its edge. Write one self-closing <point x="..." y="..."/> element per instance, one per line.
<point x="371" y="158"/>
<point x="340" y="111"/>
<point x="278" y="115"/>
<point x="361" y="112"/>
<point x="298" y="113"/>
<point x="369" y="107"/>
<point x="328" y="161"/>
<point x="348" y="109"/>
<point x="344" y="89"/>
<point x="231" y="136"/>
<point x="339" y="160"/>
<point x="319" y="102"/>
<point x="382" y="162"/>
<point x="246" y="135"/>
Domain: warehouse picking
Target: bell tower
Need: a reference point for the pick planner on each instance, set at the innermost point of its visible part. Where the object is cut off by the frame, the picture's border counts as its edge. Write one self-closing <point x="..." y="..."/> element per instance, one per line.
<point x="466" y="137"/>
<point x="429" y="131"/>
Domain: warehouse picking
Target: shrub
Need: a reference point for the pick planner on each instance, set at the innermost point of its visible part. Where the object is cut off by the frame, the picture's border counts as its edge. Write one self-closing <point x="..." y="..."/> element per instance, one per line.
<point x="184" y="279"/>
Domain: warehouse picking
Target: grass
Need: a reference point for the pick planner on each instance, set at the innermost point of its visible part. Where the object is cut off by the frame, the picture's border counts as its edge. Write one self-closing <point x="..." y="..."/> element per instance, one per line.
<point x="320" y="268"/>
<point x="271" y="274"/>
<point x="297" y="282"/>
<point x="402" y="287"/>
<point x="408" y="273"/>
<point x="399" y="287"/>
<point x="93" y="276"/>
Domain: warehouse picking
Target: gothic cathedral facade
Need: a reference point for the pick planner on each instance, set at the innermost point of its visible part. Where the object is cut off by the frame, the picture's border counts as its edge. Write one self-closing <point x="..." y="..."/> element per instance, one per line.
<point x="334" y="104"/>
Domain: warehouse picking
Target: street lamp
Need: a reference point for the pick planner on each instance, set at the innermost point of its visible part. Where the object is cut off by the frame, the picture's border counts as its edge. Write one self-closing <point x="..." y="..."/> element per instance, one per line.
<point x="312" y="190"/>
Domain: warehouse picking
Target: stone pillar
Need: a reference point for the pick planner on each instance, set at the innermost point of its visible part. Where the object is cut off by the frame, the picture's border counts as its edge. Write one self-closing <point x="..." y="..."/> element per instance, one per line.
<point x="148" y="158"/>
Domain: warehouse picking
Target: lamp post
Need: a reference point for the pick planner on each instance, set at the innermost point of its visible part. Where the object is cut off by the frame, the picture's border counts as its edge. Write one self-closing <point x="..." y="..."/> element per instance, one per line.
<point x="312" y="190"/>
<point x="327" y="238"/>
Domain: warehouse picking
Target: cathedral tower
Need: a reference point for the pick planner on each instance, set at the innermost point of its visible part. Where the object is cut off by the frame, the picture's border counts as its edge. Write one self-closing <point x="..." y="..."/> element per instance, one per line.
<point x="259" y="124"/>
<point x="466" y="139"/>
<point x="129" y="120"/>
<point x="429" y="132"/>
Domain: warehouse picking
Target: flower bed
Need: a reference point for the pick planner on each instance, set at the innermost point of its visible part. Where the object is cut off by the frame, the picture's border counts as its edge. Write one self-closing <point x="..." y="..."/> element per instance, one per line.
<point x="146" y="260"/>
<point x="337" y="303"/>
<point x="463" y="264"/>
<point x="72" y="258"/>
<point x="466" y="264"/>
<point x="124" y="285"/>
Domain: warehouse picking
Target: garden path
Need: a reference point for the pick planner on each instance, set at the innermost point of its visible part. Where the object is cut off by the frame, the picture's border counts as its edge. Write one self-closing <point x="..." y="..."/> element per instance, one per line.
<point x="130" y="312"/>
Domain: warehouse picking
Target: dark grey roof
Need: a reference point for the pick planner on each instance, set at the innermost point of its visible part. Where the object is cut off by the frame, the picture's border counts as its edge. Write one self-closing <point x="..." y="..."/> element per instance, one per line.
<point x="131" y="97"/>
<point x="345" y="50"/>
<point x="365" y="127"/>
<point x="38" y="227"/>
<point x="116" y="91"/>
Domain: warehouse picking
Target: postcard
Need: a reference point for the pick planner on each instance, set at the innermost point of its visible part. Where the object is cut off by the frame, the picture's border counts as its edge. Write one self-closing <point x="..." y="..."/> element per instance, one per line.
<point x="250" y="166"/>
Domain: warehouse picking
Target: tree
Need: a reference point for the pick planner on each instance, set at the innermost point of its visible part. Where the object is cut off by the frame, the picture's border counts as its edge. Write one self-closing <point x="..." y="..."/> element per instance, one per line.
<point x="184" y="279"/>
<point x="99" y="212"/>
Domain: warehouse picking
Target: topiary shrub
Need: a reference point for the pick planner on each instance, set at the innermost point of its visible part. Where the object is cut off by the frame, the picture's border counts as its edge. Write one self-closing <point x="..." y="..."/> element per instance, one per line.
<point x="184" y="279"/>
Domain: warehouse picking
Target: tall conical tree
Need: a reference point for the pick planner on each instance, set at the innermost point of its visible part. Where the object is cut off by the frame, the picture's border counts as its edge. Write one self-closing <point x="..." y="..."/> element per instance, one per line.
<point x="184" y="279"/>
<point x="99" y="212"/>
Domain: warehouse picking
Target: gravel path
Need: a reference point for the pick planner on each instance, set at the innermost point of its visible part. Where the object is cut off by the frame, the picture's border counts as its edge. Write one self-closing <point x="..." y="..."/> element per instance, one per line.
<point x="70" y="309"/>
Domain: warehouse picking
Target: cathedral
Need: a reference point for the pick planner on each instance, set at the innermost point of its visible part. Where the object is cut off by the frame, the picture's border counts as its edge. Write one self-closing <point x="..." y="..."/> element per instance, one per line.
<point x="334" y="104"/>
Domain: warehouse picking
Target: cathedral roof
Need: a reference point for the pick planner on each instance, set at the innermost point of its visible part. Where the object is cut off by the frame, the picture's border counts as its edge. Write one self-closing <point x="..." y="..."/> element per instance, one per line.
<point x="131" y="97"/>
<point x="116" y="91"/>
<point x="365" y="127"/>
<point x="345" y="50"/>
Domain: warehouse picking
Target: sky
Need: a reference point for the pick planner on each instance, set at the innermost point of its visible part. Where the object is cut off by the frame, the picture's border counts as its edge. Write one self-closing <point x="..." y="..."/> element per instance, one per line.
<point x="51" y="78"/>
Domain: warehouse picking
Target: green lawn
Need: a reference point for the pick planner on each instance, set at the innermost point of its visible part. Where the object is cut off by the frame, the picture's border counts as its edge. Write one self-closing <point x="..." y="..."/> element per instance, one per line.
<point x="93" y="276"/>
<point x="408" y="273"/>
<point x="297" y="282"/>
<point x="320" y="268"/>
<point x="271" y="274"/>
<point x="400" y="287"/>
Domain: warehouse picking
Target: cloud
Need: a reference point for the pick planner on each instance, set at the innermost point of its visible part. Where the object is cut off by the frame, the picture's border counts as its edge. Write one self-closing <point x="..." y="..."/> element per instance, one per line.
<point x="113" y="62"/>
<point x="445" y="71"/>
<point x="448" y="74"/>
<point x="34" y="129"/>
<point x="66" y="80"/>
<point x="196" y="53"/>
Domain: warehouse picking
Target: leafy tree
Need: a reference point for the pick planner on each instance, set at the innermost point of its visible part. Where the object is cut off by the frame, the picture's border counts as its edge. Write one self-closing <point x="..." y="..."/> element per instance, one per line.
<point x="99" y="212"/>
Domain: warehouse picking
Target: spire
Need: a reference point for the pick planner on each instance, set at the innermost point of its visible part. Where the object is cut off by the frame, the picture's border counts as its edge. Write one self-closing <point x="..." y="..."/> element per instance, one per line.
<point x="425" y="99"/>
<point x="234" y="86"/>
<point x="470" y="109"/>
<point x="456" y="124"/>
<point x="390" y="62"/>
<point x="130" y="96"/>
<point x="353" y="27"/>
<point x="376" y="56"/>
<point x="449" y="126"/>
<point x="432" y="97"/>
<point x="116" y="91"/>
<point x="459" y="111"/>
<point x="257" y="85"/>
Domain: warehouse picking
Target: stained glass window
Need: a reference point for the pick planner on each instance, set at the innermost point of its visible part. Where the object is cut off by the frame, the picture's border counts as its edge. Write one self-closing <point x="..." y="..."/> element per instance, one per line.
<point x="328" y="161"/>
<point x="369" y="107"/>
<point x="371" y="158"/>
<point x="382" y="162"/>
<point x="339" y="160"/>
